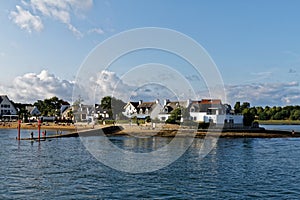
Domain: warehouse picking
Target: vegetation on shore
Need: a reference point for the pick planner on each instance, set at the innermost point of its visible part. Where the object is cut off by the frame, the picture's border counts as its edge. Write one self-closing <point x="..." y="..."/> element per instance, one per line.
<point x="114" y="107"/>
<point x="286" y="113"/>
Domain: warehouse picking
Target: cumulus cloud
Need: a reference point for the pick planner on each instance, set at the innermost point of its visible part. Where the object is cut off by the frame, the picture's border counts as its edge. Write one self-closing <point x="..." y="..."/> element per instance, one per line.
<point x="61" y="10"/>
<point x="31" y="87"/>
<point x="108" y="83"/>
<point x="265" y="93"/>
<point x="25" y="20"/>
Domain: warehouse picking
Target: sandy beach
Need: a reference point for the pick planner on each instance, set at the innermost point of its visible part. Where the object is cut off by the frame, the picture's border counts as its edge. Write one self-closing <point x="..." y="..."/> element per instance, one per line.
<point x="160" y="130"/>
<point x="44" y="126"/>
<point x="175" y="130"/>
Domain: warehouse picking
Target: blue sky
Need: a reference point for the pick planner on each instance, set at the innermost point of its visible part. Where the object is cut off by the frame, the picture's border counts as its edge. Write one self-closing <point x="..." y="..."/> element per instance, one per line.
<point x="255" y="44"/>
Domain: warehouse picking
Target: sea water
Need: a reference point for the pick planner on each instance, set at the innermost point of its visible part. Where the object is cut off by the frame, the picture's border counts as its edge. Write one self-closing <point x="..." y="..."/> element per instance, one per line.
<point x="62" y="168"/>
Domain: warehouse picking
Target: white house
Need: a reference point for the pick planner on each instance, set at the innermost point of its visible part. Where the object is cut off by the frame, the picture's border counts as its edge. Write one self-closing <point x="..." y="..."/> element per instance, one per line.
<point x="225" y="120"/>
<point x="101" y="113"/>
<point x="169" y="106"/>
<point x="6" y="106"/>
<point x="64" y="107"/>
<point x="33" y="110"/>
<point x="142" y="109"/>
<point x="213" y="111"/>
<point x="84" y="113"/>
<point x="148" y="109"/>
<point x="130" y="109"/>
<point x="199" y="109"/>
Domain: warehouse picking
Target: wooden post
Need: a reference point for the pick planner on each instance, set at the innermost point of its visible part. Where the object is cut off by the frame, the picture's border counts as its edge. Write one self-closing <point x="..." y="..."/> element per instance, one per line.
<point x="39" y="129"/>
<point x="19" y="129"/>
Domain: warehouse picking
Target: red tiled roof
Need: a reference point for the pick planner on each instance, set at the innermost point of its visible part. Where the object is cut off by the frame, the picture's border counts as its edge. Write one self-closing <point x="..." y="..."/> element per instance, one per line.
<point x="211" y="101"/>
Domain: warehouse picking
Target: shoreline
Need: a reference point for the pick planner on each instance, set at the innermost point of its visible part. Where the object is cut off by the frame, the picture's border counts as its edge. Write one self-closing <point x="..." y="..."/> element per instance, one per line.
<point x="45" y="126"/>
<point x="279" y="122"/>
<point x="222" y="133"/>
<point x="163" y="131"/>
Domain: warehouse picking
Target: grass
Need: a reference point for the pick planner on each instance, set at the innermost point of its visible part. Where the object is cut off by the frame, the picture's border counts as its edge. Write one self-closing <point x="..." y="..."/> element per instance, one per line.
<point x="279" y="122"/>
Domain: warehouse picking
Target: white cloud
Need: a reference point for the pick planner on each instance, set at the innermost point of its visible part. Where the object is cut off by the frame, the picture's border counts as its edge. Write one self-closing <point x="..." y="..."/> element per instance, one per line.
<point x="31" y="87"/>
<point x="60" y="10"/>
<point x="25" y="20"/>
<point x="107" y="83"/>
<point x="75" y="31"/>
<point x="265" y="93"/>
<point x="96" y="30"/>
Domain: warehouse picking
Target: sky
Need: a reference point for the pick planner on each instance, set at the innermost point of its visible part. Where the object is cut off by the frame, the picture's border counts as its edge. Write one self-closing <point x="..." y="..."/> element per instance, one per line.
<point x="254" y="44"/>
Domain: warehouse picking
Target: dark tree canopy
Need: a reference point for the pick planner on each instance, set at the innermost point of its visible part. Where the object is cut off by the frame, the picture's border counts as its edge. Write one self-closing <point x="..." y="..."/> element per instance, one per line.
<point x="113" y="106"/>
<point x="50" y="107"/>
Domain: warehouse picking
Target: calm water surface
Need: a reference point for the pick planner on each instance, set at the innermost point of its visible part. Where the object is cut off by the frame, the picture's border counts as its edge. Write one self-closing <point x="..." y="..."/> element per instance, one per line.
<point x="234" y="169"/>
<point x="282" y="127"/>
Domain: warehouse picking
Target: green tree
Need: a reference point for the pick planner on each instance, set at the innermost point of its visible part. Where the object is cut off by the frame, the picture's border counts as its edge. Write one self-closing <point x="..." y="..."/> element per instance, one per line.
<point x="50" y="107"/>
<point x="296" y="115"/>
<point x="174" y="117"/>
<point x="113" y="106"/>
<point x="248" y="117"/>
<point x="245" y="105"/>
<point x="237" y="107"/>
<point x="263" y="116"/>
<point x="106" y="103"/>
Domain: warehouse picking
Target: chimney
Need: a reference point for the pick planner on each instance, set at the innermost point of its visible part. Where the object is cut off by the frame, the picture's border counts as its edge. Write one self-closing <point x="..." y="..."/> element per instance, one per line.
<point x="166" y="101"/>
<point x="188" y="102"/>
<point x="140" y="102"/>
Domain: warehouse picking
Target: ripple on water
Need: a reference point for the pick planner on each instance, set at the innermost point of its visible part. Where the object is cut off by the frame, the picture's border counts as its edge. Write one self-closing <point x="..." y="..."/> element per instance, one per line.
<point x="235" y="169"/>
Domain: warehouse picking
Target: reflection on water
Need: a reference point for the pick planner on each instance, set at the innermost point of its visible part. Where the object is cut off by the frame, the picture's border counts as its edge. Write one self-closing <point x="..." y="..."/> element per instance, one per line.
<point x="234" y="169"/>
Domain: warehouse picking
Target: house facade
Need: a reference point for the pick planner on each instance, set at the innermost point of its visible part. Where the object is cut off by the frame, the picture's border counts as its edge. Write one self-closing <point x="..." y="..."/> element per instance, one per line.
<point x="6" y="106"/>
<point x="169" y="106"/>
<point x="101" y="113"/>
<point x="142" y="109"/>
<point x="200" y="109"/>
<point x="213" y="111"/>
<point x="33" y="110"/>
<point x="205" y="111"/>
<point x="130" y="109"/>
<point x="225" y="120"/>
<point x="84" y="113"/>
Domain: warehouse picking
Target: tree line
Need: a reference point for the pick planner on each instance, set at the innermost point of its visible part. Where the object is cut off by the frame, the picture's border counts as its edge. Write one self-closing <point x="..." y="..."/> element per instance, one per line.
<point x="267" y="112"/>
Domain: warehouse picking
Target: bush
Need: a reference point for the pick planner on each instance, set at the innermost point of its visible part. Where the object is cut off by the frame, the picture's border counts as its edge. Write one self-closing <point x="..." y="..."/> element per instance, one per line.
<point x="171" y="121"/>
<point x="109" y="121"/>
<point x="203" y="125"/>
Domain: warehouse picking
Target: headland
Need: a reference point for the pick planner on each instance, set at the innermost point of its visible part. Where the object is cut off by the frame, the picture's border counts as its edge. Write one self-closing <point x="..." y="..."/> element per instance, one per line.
<point x="165" y="130"/>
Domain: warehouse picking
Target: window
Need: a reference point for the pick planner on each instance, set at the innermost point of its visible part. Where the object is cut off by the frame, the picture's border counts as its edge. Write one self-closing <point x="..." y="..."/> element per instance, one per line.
<point x="163" y="118"/>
